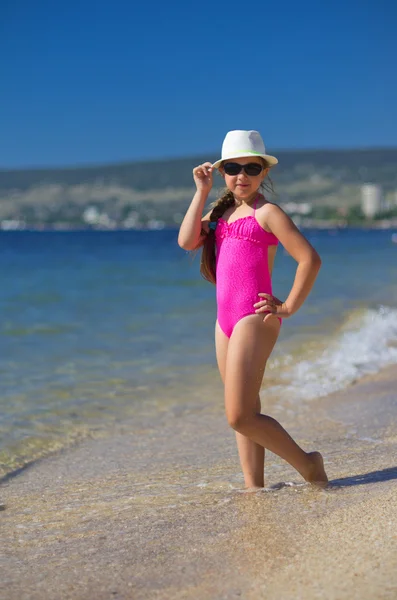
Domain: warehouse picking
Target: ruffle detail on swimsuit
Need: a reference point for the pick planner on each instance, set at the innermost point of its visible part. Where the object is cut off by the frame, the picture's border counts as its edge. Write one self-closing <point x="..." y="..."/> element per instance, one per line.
<point x="246" y="228"/>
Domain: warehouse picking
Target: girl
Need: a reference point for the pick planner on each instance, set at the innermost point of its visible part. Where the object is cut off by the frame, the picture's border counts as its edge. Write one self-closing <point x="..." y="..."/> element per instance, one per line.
<point x="239" y="237"/>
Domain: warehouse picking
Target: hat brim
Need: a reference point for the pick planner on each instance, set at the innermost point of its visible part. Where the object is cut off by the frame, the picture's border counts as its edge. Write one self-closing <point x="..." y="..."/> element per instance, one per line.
<point x="271" y="160"/>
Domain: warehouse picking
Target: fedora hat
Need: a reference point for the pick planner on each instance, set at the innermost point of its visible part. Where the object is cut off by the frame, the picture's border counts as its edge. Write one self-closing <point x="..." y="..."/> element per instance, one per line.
<point x="239" y="144"/>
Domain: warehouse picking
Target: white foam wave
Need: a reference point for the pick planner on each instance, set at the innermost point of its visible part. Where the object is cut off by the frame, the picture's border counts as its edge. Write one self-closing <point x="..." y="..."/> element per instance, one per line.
<point x="364" y="345"/>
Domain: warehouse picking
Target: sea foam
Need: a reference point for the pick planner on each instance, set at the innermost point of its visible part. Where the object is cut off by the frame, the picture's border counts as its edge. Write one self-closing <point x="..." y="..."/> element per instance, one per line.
<point x="365" y="343"/>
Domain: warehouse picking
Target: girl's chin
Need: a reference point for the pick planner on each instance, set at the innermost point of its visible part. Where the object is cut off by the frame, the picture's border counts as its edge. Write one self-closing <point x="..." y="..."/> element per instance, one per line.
<point x="241" y="189"/>
<point x="243" y="192"/>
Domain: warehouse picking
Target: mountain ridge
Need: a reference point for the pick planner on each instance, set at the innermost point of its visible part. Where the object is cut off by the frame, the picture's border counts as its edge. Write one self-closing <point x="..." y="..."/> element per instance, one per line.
<point x="176" y="172"/>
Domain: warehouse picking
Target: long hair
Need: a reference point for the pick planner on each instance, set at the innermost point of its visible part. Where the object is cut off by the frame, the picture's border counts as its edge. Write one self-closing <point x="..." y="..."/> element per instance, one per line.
<point x="219" y="207"/>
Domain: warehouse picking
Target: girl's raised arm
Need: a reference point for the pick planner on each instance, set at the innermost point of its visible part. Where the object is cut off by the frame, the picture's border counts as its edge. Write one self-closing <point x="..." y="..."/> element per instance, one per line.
<point x="190" y="235"/>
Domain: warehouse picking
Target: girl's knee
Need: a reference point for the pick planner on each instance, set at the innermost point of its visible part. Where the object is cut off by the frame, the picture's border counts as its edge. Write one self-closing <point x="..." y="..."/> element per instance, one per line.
<point x="238" y="417"/>
<point x="238" y="420"/>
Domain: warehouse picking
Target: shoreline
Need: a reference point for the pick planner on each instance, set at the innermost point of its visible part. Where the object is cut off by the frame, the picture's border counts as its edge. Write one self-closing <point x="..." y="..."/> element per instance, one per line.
<point x="381" y="225"/>
<point x="158" y="510"/>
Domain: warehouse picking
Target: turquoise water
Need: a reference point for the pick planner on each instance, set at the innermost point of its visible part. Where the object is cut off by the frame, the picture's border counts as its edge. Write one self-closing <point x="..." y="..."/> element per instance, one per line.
<point x="98" y="324"/>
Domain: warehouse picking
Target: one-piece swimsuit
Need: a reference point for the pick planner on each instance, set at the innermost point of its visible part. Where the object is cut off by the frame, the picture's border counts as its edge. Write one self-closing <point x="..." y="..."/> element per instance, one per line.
<point x="242" y="268"/>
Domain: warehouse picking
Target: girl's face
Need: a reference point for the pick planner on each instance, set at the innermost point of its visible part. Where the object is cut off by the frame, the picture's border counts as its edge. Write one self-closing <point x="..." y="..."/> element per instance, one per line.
<point x="243" y="185"/>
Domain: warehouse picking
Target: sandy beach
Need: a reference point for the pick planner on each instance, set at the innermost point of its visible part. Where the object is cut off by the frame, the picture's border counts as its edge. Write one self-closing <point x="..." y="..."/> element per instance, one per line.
<point x="158" y="510"/>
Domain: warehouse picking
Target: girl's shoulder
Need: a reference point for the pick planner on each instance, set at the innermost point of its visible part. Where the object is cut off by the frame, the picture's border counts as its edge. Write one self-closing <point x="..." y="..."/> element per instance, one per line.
<point x="267" y="212"/>
<point x="276" y="221"/>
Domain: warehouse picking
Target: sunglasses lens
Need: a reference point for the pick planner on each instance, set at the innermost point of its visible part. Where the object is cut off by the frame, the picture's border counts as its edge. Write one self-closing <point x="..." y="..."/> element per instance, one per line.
<point x="232" y="168"/>
<point x="253" y="169"/>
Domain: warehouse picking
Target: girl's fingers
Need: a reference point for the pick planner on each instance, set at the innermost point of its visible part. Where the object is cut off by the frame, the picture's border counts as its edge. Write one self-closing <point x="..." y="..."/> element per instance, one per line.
<point x="202" y="175"/>
<point x="264" y="303"/>
<point x="269" y="304"/>
<point x="259" y="304"/>
<point x="270" y="298"/>
<point x="203" y="170"/>
<point x="267" y="308"/>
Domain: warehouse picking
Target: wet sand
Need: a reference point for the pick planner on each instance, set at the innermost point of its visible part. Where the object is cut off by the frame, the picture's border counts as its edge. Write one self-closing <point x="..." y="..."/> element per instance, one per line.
<point x="156" y="509"/>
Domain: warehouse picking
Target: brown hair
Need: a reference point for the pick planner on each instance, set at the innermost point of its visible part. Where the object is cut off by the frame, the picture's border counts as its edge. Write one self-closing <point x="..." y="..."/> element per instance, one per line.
<point x="220" y="206"/>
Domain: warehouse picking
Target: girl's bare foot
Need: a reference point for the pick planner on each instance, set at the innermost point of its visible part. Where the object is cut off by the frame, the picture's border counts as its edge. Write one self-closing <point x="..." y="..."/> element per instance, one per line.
<point x="316" y="473"/>
<point x="253" y="489"/>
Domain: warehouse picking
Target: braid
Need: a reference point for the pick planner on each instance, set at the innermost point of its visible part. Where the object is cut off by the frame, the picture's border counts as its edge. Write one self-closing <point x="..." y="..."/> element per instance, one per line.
<point x="220" y="206"/>
<point x="208" y="259"/>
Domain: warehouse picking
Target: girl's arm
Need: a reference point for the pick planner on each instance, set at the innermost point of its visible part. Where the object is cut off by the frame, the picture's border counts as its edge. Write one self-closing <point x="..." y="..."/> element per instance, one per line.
<point x="309" y="262"/>
<point x="190" y="236"/>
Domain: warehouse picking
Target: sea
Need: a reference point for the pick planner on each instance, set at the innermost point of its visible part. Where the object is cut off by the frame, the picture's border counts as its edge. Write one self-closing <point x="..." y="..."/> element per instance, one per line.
<point x="99" y="327"/>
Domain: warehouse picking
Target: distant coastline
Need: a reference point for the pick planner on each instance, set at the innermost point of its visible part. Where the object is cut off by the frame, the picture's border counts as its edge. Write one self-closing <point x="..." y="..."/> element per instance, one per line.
<point x="317" y="188"/>
<point x="312" y="224"/>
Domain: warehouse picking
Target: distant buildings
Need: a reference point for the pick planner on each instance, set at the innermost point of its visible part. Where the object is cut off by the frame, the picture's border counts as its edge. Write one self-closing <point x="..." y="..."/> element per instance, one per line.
<point x="12" y="224"/>
<point x="371" y="200"/>
<point x="93" y="217"/>
<point x="298" y="208"/>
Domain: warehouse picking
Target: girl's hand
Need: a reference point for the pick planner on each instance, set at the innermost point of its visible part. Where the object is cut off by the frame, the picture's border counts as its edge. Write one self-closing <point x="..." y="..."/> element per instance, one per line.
<point x="203" y="177"/>
<point x="272" y="305"/>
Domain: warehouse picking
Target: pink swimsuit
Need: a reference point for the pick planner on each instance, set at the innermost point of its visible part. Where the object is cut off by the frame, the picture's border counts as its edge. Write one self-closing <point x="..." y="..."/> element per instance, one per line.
<point x="242" y="269"/>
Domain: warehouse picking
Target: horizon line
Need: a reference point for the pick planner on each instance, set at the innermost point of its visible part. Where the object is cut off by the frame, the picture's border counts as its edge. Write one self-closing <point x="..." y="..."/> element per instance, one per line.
<point x="177" y="158"/>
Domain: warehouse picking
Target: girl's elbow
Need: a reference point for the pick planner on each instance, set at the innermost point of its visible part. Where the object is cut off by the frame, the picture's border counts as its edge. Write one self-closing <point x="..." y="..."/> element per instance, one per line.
<point x="185" y="244"/>
<point x="312" y="261"/>
<point x="182" y="240"/>
<point x="316" y="261"/>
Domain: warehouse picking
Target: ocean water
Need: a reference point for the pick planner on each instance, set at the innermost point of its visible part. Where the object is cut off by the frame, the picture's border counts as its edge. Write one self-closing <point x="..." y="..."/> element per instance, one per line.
<point x="99" y="326"/>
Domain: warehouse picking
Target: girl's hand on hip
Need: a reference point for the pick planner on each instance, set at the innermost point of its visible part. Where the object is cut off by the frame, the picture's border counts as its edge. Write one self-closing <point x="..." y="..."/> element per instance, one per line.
<point x="203" y="177"/>
<point x="271" y="304"/>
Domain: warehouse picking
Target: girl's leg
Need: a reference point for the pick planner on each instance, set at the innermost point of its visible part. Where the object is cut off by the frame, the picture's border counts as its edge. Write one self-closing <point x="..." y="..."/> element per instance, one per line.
<point x="249" y="348"/>
<point x="252" y="458"/>
<point x="252" y="455"/>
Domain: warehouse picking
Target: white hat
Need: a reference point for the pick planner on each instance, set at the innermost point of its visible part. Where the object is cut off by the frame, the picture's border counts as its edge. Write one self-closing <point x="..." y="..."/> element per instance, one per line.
<point x="238" y="144"/>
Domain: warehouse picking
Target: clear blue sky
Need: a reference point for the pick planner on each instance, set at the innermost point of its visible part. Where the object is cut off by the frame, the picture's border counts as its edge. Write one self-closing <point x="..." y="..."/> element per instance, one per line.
<point x="97" y="82"/>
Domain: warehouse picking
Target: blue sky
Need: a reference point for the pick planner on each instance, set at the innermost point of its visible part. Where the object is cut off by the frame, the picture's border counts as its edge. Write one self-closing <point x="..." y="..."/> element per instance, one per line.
<point x="97" y="82"/>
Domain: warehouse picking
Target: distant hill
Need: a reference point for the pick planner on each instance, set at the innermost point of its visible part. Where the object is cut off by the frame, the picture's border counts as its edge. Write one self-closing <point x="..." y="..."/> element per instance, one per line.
<point x="324" y="183"/>
<point x="350" y="166"/>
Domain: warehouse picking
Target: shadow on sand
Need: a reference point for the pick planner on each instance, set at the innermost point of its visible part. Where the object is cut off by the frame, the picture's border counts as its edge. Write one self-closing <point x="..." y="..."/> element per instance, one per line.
<point x="16" y="472"/>
<point x="373" y="477"/>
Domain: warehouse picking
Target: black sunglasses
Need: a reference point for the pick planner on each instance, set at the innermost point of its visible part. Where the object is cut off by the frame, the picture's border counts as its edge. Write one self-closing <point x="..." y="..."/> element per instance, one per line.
<point x="252" y="169"/>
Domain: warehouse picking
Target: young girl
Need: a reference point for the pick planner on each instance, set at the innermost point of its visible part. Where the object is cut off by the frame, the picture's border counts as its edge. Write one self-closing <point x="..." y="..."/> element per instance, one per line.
<point x="239" y="238"/>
